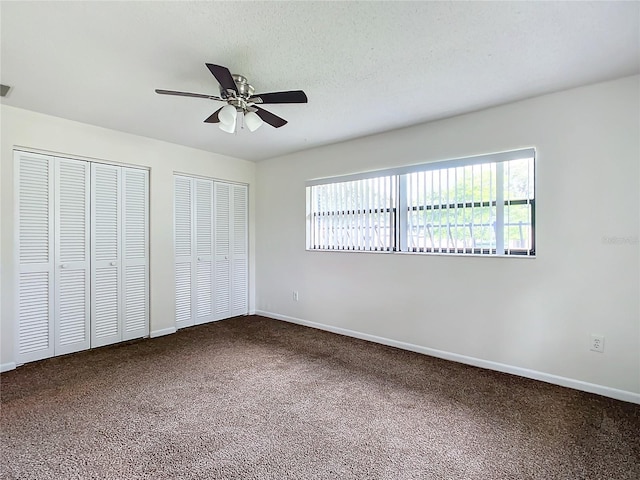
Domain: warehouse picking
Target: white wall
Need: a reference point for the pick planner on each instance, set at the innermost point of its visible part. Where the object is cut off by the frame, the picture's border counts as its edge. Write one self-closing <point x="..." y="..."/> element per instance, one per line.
<point x="534" y="314"/>
<point x="22" y="128"/>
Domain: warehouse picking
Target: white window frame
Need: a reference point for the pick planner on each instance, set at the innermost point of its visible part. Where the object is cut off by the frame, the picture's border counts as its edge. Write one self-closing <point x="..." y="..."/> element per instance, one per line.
<point x="401" y="219"/>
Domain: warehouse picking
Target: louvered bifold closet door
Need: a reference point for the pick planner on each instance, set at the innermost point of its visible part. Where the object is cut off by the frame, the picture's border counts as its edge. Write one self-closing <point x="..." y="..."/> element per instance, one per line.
<point x="35" y="257"/>
<point x="204" y="250"/>
<point x="183" y="241"/>
<point x="72" y="300"/>
<point x="106" y="255"/>
<point x="135" y="253"/>
<point x="239" y="251"/>
<point x="222" y="246"/>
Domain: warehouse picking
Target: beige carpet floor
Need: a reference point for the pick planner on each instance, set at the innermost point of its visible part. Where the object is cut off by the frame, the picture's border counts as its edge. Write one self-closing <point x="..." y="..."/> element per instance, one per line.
<point x="255" y="398"/>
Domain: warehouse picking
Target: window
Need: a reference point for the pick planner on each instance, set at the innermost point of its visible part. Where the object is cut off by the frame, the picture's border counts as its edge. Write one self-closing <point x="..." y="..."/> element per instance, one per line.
<point x="355" y="215"/>
<point x="479" y="205"/>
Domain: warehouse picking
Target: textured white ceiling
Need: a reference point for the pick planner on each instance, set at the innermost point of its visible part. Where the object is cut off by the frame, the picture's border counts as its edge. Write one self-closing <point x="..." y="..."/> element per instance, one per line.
<point x="366" y="67"/>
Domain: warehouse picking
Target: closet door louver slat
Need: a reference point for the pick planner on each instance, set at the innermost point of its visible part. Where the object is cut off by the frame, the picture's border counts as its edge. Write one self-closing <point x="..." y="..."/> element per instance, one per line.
<point x="135" y="214"/>
<point x="239" y="248"/>
<point x="183" y="241"/>
<point x="203" y="246"/>
<point x="222" y="267"/>
<point x="106" y="232"/>
<point x="34" y="229"/>
<point x="72" y="302"/>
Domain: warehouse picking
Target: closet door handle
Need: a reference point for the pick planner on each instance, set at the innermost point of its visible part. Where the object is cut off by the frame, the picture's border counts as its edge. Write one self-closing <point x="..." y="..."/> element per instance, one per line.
<point x="63" y="265"/>
<point x="199" y="259"/>
<point x="113" y="264"/>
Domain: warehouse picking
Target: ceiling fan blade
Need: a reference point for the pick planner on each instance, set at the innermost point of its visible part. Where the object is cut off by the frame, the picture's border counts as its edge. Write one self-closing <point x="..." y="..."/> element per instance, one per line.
<point x="223" y="75"/>
<point x="293" y="96"/>
<point x="187" y="94"/>
<point x="213" y="118"/>
<point x="270" y="118"/>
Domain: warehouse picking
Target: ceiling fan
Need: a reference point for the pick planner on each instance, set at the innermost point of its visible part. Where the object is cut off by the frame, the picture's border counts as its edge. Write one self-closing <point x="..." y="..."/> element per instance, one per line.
<point x="240" y="97"/>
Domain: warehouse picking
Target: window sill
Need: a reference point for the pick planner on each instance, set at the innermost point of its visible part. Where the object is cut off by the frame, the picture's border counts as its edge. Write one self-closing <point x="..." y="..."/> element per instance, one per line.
<point x="422" y="254"/>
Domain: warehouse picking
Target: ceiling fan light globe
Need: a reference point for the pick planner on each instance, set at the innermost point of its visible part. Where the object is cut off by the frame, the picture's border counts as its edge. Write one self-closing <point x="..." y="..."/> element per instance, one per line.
<point x="228" y="127"/>
<point x="252" y="121"/>
<point x="228" y="115"/>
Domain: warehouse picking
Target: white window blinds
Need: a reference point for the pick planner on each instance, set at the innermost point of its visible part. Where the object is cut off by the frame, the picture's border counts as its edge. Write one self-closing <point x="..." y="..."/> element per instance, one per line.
<point x="482" y="205"/>
<point x="354" y="215"/>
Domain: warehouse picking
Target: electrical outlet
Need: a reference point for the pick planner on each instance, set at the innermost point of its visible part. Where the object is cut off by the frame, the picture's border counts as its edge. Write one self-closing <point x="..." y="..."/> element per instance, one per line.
<point x="597" y="343"/>
<point x="295" y="295"/>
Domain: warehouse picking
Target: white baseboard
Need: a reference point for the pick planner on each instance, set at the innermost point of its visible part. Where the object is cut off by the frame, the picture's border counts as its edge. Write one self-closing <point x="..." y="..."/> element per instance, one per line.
<point x="162" y="332"/>
<point x="5" y="367"/>
<point x="476" y="362"/>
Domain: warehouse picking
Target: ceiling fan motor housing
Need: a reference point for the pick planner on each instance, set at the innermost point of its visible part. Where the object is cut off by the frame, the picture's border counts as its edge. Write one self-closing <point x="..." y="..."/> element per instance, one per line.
<point x="244" y="92"/>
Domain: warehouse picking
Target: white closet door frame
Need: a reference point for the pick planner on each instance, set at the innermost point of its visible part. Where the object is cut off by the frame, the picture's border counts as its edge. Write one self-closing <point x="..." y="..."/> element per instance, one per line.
<point x="135" y="253"/>
<point x="106" y="284"/>
<point x="71" y="274"/>
<point x="56" y="296"/>
<point x="184" y="248"/>
<point x="211" y="250"/>
<point x="34" y="330"/>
